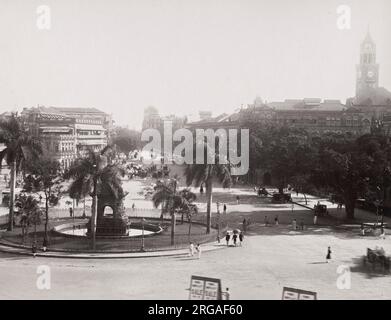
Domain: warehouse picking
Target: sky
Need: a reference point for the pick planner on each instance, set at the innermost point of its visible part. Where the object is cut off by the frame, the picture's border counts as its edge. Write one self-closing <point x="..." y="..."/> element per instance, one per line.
<point x="182" y="56"/>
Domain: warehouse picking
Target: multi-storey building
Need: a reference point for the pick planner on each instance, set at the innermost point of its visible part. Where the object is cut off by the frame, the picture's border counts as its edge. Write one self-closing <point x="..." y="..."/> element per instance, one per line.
<point x="67" y="133"/>
<point x="371" y="104"/>
<point x="153" y="120"/>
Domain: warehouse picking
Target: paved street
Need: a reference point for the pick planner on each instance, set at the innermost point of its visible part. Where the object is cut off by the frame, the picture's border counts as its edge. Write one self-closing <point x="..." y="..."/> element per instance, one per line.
<point x="258" y="270"/>
<point x="271" y="258"/>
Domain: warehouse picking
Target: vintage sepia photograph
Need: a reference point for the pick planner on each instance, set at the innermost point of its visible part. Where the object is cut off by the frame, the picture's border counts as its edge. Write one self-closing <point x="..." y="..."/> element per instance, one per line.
<point x="195" y="150"/>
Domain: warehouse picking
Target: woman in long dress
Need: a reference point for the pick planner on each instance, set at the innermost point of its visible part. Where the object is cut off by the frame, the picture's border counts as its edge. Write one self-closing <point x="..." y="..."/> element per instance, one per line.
<point x="328" y="256"/>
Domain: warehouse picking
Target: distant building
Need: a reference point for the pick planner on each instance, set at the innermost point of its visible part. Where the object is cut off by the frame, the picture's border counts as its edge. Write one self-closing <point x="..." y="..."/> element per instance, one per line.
<point x="371" y="105"/>
<point x="371" y="99"/>
<point x="67" y="133"/>
<point x="153" y="120"/>
<point x="205" y="115"/>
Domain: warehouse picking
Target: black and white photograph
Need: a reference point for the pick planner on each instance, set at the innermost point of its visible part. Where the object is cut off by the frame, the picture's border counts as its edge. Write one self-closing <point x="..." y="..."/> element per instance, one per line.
<point x="195" y="150"/>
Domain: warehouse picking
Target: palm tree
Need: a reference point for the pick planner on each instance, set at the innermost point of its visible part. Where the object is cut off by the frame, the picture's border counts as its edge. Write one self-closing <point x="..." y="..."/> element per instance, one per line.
<point x="187" y="204"/>
<point x="90" y="175"/>
<point x="18" y="146"/>
<point x="207" y="174"/>
<point x="191" y="210"/>
<point x="172" y="201"/>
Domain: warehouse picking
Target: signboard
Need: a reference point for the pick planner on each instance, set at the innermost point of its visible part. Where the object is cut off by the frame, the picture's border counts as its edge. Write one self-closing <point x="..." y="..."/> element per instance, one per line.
<point x="297" y="294"/>
<point x="203" y="288"/>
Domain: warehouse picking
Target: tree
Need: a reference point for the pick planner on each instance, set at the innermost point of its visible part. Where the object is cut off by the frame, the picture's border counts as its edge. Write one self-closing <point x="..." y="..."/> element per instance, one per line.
<point x="19" y="145"/>
<point x="279" y="150"/>
<point x="377" y="147"/>
<point x="208" y="174"/>
<point x="90" y="175"/>
<point x="191" y="210"/>
<point x="172" y="201"/>
<point x="30" y="212"/>
<point x="344" y="169"/>
<point x="285" y="155"/>
<point x="126" y="140"/>
<point x="166" y="195"/>
<point x="187" y="202"/>
<point x="44" y="177"/>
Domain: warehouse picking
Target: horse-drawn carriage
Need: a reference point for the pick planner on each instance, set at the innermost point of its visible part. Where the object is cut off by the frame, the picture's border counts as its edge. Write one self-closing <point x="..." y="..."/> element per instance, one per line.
<point x="377" y="257"/>
<point x="262" y="192"/>
<point x="281" y="197"/>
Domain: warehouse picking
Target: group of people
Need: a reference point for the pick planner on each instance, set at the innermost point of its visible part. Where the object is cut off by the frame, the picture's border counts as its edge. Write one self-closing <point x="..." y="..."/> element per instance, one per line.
<point x="294" y="224"/>
<point x="276" y="221"/>
<point x="235" y="237"/>
<point x="195" y="249"/>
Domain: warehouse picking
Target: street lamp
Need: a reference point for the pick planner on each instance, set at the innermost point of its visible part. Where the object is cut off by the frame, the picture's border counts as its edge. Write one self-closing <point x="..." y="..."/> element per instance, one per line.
<point x="218" y="225"/>
<point x="142" y="238"/>
<point x="84" y="208"/>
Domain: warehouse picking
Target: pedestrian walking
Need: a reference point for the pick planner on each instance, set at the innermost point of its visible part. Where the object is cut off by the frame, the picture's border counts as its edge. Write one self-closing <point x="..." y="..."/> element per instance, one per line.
<point x="234" y="238"/>
<point x="276" y="222"/>
<point x="237" y="199"/>
<point x="71" y="212"/>
<point x="227" y="238"/>
<point x="266" y="221"/>
<point x="199" y="250"/>
<point x="202" y="189"/>
<point x="315" y="219"/>
<point x="133" y="206"/>
<point x="225" y="208"/>
<point x="191" y="249"/>
<point x="241" y="237"/>
<point x="328" y="256"/>
<point x="294" y="224"/>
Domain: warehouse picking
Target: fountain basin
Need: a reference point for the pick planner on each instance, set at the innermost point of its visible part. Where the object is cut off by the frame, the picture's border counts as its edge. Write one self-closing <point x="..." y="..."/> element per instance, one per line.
<point x="80" y="229"/>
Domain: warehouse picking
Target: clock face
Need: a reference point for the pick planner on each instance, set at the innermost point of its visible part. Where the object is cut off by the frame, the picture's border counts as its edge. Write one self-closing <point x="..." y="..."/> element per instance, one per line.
<point x="370" y="74"/>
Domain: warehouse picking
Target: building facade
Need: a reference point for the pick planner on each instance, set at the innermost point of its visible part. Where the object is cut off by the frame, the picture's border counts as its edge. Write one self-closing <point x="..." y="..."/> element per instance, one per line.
<point x="153" y="120"/>
<point x="67" y="133"/>
<point x="371" y="104"/>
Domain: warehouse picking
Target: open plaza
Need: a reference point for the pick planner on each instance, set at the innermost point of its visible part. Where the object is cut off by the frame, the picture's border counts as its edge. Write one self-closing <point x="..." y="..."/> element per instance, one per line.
<point x="271" y="256"/>
<point x="195" y="150"/>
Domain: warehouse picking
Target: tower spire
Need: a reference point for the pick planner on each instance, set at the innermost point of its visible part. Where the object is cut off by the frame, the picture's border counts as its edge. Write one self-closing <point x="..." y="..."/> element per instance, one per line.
<point x="367" y="69"/>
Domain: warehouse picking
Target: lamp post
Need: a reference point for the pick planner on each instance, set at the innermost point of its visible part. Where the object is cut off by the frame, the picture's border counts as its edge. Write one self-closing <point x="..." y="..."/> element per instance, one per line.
<point x="218" y="225"/>
<point x="84" y="208"/>
<point x="142" y="238"/>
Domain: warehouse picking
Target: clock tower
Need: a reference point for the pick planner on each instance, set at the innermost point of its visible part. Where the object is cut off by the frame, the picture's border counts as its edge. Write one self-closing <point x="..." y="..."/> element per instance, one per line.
<point x="367" y="77"/>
